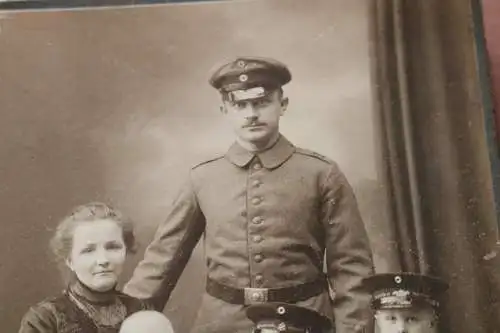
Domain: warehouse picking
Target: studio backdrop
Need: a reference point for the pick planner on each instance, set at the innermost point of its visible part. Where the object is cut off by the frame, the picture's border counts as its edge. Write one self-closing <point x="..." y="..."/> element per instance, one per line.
<point x="114" y="105"/>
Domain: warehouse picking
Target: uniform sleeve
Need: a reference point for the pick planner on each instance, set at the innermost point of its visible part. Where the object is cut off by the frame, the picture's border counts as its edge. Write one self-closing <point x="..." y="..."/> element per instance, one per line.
<point x="166" y="257"/>
<point x="348" y="253"/>
<point x="39" y="319"/>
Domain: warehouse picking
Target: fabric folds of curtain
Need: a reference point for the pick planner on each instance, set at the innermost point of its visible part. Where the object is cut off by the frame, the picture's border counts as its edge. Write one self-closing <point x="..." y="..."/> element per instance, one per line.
<point x="435" y="156"/>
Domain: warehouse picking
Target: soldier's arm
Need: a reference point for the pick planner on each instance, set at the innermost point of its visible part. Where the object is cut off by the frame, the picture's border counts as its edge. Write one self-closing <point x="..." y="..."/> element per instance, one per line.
<point x="166" y="257"/>
<point x="348" y="253"/>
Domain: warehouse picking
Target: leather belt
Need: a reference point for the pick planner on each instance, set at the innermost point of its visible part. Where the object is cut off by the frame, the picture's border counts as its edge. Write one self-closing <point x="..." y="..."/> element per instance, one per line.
<point x="248" y="296"/>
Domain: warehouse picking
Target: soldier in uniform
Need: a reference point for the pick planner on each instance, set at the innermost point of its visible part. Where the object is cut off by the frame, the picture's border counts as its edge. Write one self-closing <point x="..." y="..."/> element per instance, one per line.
<point x="273" y="215"/>
<point x="405" y="302"/>
<point x="287" y="318"/>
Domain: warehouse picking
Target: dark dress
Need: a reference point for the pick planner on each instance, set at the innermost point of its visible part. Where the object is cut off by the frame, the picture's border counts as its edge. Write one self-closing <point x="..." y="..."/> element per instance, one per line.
<point x="80" y="310"/>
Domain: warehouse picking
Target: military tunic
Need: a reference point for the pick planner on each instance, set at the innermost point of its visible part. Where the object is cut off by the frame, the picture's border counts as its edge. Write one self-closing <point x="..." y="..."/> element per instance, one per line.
<point x="268" y="219"/>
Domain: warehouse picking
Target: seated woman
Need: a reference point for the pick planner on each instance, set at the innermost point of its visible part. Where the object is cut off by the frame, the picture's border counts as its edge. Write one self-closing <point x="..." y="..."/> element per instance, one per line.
<point x="92" y="242"/>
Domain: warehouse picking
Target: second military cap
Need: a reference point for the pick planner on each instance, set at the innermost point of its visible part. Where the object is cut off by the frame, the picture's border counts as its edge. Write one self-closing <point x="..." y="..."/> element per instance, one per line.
<point x="250" y="77"/>
<point x="404" y="290"/>
<point x="283" y="317"/>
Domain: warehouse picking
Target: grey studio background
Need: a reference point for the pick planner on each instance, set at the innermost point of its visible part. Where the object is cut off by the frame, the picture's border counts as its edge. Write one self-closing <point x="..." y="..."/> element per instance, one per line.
<point x="114" y="105"/>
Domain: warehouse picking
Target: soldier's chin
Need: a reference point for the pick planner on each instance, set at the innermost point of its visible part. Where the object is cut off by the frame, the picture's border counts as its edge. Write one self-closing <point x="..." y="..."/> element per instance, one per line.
<point x="257" y="137"/>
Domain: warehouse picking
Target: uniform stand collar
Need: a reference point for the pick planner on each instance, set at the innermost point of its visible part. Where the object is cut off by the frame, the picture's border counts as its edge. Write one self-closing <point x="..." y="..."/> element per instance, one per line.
<point x="270" y="158"/>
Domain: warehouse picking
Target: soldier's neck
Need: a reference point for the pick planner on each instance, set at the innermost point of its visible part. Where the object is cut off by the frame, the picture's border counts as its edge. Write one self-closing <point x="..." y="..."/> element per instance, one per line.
<point x="256" y="147"/>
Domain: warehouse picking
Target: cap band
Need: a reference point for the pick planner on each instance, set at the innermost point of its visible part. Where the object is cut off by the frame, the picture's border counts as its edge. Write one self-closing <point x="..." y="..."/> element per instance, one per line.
<point x="260" y="78"/>
<point x="248" y="94"/>
<point x="280" y="327"/>
<point x="401" y="299"/>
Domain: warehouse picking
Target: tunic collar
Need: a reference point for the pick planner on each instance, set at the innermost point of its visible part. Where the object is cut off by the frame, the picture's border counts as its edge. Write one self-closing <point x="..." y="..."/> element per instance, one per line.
<point x="270" y="158"/>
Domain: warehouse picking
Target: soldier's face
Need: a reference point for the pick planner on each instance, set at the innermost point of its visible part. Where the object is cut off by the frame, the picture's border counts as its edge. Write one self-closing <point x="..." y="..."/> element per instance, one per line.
<point x="405" y="321"/>
<point x="256" y="121"/>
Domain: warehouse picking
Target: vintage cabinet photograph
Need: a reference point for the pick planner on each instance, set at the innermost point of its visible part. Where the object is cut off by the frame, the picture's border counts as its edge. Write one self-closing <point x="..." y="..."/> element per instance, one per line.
<point x="238" y="165"/>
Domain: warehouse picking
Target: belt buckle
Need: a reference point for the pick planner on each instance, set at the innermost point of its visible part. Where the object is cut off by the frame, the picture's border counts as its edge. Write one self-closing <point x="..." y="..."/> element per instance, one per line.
<point x="256" y="295"/>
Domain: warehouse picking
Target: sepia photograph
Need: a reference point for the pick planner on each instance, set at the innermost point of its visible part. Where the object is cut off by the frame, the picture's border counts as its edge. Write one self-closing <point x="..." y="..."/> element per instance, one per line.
<point x="247" y="166"/>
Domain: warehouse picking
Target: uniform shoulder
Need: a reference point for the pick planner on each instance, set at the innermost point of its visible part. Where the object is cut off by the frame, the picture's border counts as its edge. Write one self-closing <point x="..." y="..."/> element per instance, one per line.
<point x="208" y="160"/>
<point x="315" y="155"/>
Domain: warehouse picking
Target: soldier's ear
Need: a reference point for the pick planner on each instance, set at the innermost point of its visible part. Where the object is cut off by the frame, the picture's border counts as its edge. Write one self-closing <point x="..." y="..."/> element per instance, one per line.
<point x="284" y="105"/>
<point x="223" y="109"/>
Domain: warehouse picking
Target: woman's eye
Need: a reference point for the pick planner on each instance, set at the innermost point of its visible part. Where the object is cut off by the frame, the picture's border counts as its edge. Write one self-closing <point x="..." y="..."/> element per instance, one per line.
<point x="87" y="250"/>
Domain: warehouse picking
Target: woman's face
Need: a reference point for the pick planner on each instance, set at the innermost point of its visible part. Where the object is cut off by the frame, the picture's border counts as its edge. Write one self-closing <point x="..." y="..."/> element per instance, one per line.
<point x="98" y="254"/>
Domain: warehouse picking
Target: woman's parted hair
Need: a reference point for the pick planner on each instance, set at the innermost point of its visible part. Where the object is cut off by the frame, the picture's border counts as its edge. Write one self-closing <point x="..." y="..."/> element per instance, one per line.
<point x="62" y="241"/>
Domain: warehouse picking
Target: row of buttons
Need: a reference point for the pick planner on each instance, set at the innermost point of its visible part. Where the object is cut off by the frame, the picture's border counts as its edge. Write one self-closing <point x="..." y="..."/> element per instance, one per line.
<point x="256" y="183"/>
<point x="258" y="258"/>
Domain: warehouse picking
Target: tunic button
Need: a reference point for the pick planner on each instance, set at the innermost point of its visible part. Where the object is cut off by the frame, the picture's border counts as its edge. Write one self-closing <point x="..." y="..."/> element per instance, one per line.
<point x="256" y="183"/>
<point x="259" y="278"/>
<point x="257" y="238"/>
<point x="258" y="257"/>
<point x="257" y="220"/>
<point x="257" y="166"/>
<point x="256" y="201"/>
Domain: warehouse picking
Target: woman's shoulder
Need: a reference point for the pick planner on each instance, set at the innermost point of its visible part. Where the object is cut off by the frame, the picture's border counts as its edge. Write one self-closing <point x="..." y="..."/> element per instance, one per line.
<point x="45" y="307"/>
<point x="42" y="316"/>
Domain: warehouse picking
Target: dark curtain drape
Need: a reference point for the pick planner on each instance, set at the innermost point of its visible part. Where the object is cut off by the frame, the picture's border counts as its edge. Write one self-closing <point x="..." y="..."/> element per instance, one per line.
<point x="437" y="161"/>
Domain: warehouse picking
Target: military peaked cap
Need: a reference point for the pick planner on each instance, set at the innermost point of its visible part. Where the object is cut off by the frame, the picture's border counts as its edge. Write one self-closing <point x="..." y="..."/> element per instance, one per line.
<point x="404" y="290"/>
<point x="283" y="317"/>
<point x="250" y="77"/>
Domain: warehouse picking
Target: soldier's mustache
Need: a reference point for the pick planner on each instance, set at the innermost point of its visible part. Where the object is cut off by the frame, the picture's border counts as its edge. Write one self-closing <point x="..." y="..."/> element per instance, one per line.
<point x="252" y="124"/>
